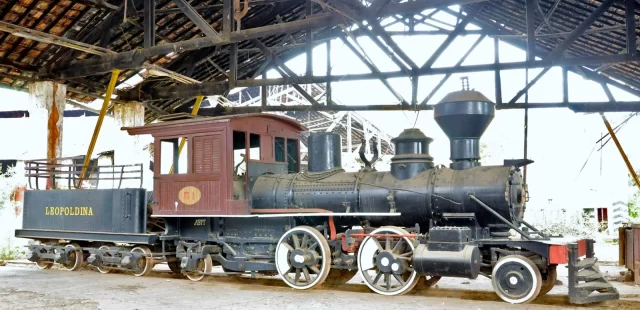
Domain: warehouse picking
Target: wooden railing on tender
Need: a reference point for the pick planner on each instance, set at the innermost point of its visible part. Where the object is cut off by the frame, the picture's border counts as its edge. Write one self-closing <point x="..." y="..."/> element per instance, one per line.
<point x="67" y="170"/>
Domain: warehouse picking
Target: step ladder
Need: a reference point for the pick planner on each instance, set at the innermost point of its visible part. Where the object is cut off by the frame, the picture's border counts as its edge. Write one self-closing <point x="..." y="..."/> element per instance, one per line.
<point x="586" y="282"/>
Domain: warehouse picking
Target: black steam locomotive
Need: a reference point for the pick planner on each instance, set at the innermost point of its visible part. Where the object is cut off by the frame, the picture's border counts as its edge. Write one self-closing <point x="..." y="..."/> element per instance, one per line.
<point x="415" y="223"/>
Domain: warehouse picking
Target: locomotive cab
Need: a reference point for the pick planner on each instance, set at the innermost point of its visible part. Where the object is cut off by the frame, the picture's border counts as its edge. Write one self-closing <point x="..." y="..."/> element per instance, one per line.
<point x="207" y="166"/>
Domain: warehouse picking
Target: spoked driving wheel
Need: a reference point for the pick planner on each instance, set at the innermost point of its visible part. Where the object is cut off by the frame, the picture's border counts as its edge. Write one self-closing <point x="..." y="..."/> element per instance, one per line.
<point x="303" y="258"/>
<point x="516" y="279"/>
<point x="384" y="261"/>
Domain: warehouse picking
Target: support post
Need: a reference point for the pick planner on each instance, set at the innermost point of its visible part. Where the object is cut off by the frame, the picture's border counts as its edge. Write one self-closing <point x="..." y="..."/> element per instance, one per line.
<point x="349" y="140"/>
<point x="103" y="111"/>
<point x="233" y="65"/>
<point x="496" y="60"/>
<point x="565" y="85"/>
<point x="531" y="37"/>
<point x="183" y="141"/>
<point x="149" y="23"/>
<point x="309" y="38"/>
<point x="630" y="15"/>
<point x="329" y="96"/>
<point x="227" y="18"/>
<point x="263" y="91"/>
<point x="50" y="97"/>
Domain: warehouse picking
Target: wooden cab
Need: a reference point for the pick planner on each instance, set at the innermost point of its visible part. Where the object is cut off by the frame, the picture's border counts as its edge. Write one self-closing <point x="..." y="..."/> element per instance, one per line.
<point x="212" y="171"/>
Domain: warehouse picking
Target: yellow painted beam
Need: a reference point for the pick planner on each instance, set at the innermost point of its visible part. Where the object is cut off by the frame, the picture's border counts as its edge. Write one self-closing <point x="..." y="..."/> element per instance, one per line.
<point x="105" y="105"/>
<point x="624" y="156"/>
<point x="194" y="111"/>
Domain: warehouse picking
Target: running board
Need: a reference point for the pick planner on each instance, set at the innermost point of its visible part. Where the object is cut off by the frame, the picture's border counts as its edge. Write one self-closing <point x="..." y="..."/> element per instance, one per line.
<point x="586" y="283"/>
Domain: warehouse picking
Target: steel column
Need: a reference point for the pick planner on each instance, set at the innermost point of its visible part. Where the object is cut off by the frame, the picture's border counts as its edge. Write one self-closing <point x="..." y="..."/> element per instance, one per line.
<point x="194" y="111"/>
<point x="149" y="23"/>
<point x="531" y="38"/>
<point x="565" y="85"/>
<point x="630" y="16"/>
<point x="96" y="131"/>
<point x="497" y="79"/>
<point x="329" y="95"/>
<point x="309" y="38"/>
<point x="263" y="92"/>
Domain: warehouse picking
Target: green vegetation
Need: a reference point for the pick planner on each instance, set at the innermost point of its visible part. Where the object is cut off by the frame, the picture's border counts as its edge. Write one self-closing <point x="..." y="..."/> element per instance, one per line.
<point x="11" y="253"/>
<point x="634" y="200"/>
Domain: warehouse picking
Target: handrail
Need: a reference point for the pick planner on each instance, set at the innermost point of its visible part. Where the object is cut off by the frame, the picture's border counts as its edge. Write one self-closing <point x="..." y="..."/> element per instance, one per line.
<point x="69" y="169"/>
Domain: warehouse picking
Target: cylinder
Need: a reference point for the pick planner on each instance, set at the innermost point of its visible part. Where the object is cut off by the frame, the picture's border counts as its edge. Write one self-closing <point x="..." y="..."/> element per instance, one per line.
<point x="325" y="152"/>
<point x="460" y="264"/>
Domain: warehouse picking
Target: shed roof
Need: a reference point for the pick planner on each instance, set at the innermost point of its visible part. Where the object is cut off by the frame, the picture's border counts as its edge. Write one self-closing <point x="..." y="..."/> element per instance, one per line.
<point x="104" y="22"/>
<point x="161" y="126"/>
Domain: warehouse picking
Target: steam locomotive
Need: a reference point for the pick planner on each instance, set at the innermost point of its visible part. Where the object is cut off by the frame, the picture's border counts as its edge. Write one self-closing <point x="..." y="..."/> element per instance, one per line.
<point x="242" y="203"/>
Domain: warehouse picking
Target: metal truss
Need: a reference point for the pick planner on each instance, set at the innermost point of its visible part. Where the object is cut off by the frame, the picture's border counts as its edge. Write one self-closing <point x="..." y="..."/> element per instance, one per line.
<point x="352" y="127"/>
<point x="249" y="52"/>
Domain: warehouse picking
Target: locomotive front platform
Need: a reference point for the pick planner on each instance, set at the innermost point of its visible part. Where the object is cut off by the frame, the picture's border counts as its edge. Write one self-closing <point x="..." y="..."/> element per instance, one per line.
<point x="240" y="201"/>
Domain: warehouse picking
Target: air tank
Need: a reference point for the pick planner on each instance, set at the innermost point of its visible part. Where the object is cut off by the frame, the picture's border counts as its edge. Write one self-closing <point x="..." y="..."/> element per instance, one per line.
<point x="325" y="152"/>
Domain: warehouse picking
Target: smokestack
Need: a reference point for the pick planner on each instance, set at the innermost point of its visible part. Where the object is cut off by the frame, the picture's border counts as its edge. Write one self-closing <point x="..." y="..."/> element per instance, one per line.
<point x="464" y="116"/>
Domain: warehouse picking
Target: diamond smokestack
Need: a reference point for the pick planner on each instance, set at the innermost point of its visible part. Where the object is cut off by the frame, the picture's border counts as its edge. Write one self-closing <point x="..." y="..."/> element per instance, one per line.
<point x="464" y="116"/>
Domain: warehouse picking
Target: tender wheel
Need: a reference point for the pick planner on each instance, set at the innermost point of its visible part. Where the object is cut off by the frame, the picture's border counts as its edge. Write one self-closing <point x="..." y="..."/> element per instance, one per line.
<point x="303" y="252"/>
<point x="75" y="259"/>
<point x="104" y="269"/>
<point x="174" y="266"/>
<point x="44" y="265"/>
<point x="385" y="261"/>
<point x="204" y="265"/>
<point x="516" y="279"/>
<point x="340" y="276"/>
<point x="550" y="281"/>
<point x="145" y="263"/>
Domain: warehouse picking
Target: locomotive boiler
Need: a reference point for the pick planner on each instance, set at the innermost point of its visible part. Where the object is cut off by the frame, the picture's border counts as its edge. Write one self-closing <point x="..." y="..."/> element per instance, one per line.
<point x="243" y="202"/>
<point x="421" y="193"/>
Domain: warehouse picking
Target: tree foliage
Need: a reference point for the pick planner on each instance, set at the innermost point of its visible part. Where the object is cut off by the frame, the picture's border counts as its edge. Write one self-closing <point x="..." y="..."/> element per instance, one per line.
<point x="633" y="203"/>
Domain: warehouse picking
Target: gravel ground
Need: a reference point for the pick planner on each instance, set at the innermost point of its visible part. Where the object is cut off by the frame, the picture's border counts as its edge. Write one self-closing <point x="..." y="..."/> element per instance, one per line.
<point x="26" y="287"/>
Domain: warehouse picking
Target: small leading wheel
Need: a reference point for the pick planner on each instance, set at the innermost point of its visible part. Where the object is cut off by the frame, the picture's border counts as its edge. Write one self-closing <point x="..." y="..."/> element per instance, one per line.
<point x="385" y="261"/>
<point x="516" y="279"/>
<point x="204" y="265"/>
<point x="303" y="258"/>
<point x="145" y="263"/>
<point x="75" y="258"/>
<point x="104" y="269"/>
<point x="550" y="281"/>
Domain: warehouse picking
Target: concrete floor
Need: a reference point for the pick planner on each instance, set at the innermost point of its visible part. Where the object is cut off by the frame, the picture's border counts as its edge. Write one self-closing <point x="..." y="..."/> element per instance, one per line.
<point x="22" y="286"/>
